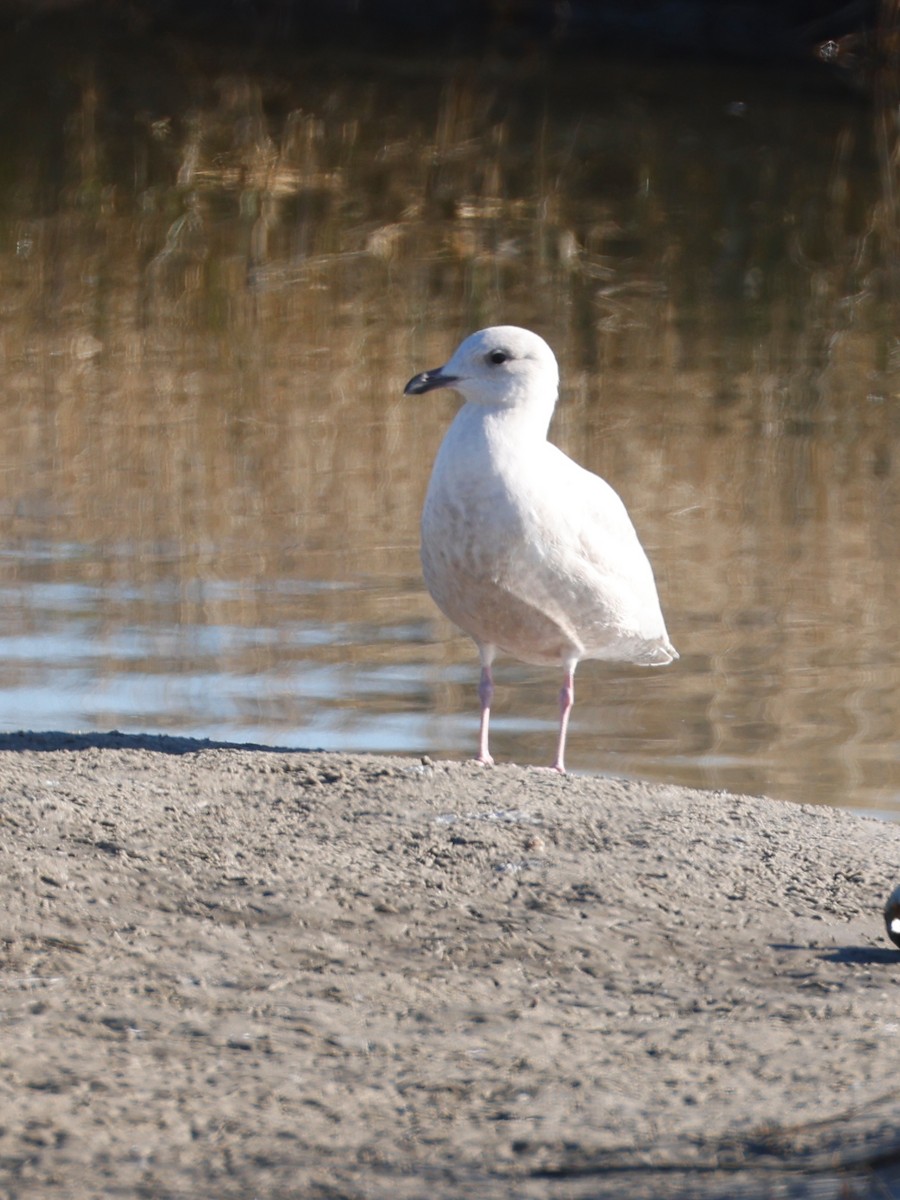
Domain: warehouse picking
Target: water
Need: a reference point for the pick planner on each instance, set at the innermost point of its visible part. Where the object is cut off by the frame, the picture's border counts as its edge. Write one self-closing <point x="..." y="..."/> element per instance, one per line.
<point x="216" y="279"/>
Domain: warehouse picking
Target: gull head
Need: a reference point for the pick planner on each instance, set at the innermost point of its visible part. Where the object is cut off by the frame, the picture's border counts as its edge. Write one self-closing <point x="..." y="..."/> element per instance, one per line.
<point x="503" y="366"/>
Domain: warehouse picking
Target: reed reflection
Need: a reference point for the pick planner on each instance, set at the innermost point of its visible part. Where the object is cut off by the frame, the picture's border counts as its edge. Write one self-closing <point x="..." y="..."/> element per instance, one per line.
<point x="213" y="293"/>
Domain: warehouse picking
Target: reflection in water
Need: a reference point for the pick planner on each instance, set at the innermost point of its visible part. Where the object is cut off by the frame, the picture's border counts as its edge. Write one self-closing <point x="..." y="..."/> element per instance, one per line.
<point x="215" y="284"/>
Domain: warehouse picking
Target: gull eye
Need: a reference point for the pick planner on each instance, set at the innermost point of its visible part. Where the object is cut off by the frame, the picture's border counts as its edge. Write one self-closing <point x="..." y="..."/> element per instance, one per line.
<point x="496" y="357"/>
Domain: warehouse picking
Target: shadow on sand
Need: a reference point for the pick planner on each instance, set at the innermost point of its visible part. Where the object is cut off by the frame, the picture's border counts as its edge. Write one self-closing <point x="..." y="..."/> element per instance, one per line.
<point x="114" y="740"/>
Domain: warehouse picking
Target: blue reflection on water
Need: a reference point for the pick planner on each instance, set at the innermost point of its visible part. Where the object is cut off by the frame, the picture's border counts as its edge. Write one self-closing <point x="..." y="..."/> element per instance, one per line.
<point x="140" y="658"/>
<point x="74" y="667"/>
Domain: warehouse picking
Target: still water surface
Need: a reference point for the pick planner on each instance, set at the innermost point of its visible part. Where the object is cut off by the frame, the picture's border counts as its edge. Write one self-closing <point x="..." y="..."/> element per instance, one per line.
<point x="215" y="281"/>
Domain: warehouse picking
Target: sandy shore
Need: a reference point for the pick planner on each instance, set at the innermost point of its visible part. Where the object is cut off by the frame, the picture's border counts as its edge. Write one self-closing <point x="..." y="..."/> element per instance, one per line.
<point x="233" y="973"/>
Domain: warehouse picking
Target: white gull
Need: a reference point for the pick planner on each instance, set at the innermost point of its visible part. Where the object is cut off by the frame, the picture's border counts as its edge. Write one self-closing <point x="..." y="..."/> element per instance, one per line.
<point x="524" y="550"/>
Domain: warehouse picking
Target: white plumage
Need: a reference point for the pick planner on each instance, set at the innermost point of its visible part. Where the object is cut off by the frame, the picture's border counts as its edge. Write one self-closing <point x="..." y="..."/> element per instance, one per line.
<point x="526" y="551"/>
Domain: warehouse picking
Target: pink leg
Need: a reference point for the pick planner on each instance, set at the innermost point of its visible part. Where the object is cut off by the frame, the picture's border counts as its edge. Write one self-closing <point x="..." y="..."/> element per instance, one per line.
<point x="566" y="700"/>
<point x="485" y="695"/>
